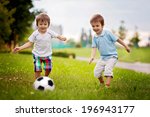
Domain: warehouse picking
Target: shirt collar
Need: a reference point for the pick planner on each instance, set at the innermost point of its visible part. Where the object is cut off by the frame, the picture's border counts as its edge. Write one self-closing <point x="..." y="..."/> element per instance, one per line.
<point x="100" y="35"/>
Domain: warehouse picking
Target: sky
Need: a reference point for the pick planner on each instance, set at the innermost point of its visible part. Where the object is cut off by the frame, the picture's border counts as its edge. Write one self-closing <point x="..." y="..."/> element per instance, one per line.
<point x="74" y="15"/>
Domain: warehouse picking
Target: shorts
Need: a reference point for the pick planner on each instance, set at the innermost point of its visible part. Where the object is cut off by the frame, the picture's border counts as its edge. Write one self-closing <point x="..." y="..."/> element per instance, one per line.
<point x="106" y="66"/>
<point x="38" y="63"/>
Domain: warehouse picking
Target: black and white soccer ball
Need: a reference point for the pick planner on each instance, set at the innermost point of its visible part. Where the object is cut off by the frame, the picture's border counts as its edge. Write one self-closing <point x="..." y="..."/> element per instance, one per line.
<point x="44" y="83"/>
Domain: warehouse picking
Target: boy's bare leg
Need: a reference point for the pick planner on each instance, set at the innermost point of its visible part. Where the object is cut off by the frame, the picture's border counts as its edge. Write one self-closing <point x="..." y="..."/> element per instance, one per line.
<point x="108" y="81"/>
<point x="37" y="74"/>
<point x="47" y="72"/>
<point x="101" y="80"/>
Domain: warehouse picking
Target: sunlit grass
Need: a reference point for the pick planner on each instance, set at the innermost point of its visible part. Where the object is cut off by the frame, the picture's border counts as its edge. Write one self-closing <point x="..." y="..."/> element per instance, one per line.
<point x="136" y="54"/>
<point x="73" y="79"/>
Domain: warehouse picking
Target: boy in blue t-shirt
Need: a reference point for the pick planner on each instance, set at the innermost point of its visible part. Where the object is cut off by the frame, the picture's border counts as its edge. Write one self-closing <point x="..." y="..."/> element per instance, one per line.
<point x="104" y="40"/>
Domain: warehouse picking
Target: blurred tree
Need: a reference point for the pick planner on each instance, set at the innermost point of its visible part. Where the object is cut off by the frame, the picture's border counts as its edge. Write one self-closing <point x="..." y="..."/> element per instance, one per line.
<point x="6" y="20"/>
<point x="78" y="45"/>
<point x="83" y="38"/>
<point x="90" y="37"/>
<point x="122" y="31"/>
<point x="23" y="20"/>
<point x="148" y="41"/>
<point x="135" y="39"/>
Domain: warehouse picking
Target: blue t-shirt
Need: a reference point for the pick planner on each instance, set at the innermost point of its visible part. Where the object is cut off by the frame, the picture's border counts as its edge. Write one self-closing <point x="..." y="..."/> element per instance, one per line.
<point x="105" y="42"/>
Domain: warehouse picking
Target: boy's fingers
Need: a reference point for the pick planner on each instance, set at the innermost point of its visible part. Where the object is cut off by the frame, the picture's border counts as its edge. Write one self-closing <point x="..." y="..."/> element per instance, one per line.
<point x="90" y="61"/>
<point x="15" y="50"/>
<point x="128" y="49"/>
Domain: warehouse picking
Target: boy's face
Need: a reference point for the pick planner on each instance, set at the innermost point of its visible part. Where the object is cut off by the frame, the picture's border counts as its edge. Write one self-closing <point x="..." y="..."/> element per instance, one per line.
<point x="42" y="26"/>
<point x="97" y="27"/>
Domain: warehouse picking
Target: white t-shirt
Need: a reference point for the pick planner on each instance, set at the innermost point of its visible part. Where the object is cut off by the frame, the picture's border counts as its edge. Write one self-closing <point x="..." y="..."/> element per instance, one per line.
<point x="42" y="42"/>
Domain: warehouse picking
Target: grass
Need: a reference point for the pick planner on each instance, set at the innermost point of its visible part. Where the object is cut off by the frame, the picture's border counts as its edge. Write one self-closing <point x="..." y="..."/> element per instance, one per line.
<point x="136" y="54"/>
<point x="74" y="80"/>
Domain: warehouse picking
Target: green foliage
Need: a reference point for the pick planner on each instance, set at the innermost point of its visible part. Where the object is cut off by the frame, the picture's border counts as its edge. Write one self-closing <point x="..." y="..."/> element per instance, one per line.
<point x="73" y="80"/>
<point x="23" y="17"/>
<point x="6" y="20"/>
<point x="135" y="39"/>
<point x="85" y="52"/>
<point x="78" y="45"/>
<point x="64" y="54"/>
<point x="17" y="19"/>
<point x="122" y="31"/>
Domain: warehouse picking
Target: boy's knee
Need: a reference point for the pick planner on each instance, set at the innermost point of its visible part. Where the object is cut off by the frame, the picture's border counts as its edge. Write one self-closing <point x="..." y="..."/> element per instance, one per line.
<point x="108" y="73"/>
<point x="97" y="74"/>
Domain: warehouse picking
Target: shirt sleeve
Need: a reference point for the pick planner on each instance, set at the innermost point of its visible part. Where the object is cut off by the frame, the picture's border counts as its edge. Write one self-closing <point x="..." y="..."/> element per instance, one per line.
<point x="112" y="36"/>
<point x="32" y="37"/>
<point x="93" y="43"/>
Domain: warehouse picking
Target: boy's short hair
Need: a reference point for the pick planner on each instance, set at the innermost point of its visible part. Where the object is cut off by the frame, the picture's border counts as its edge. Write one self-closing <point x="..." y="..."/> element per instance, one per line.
<point x="97" y="18"/>
<point x="42" y="17"/>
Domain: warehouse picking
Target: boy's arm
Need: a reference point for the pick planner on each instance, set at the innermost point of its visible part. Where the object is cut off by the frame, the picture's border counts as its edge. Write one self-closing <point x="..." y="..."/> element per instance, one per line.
<point x="122" y="43"/>
<point x="62" y="38"/>
<point x="26" y="45"/>
<point x="93" y="54"/>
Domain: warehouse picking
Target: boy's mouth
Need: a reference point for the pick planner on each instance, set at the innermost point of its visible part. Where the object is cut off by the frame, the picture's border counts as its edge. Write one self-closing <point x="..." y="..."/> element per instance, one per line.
<point x="96" y="31"/>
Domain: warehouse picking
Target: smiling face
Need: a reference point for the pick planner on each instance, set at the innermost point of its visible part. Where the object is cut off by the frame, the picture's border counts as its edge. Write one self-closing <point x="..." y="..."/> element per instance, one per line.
<point x="97" y="27"/>
<point x="42" y="22"/>
<point x="42" y="26"/>
<point x="97" y="23"/>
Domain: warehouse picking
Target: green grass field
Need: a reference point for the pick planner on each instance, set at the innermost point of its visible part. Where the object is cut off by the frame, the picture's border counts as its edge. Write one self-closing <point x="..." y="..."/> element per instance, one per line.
<point x="73" y="79"/>
<point x="136" y="54"/>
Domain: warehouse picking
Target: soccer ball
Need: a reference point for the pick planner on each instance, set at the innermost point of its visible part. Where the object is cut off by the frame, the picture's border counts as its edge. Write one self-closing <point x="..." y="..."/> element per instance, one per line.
<point x="44" y="83"/>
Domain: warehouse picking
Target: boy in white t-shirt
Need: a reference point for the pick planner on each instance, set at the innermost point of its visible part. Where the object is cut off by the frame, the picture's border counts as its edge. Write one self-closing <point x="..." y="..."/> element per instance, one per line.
<point x="42" y="51"/>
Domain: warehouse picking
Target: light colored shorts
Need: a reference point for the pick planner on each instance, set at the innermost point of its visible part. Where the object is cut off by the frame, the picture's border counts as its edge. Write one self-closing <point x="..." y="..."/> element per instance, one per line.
<point x="38" y="63"/>
<point x="106" y="66"/>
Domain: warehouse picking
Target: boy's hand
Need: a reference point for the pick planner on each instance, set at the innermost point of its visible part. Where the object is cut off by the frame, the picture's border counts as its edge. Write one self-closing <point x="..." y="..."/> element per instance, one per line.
<point x="61" y="37"/>
<point x="64" y="38"/>
<point x="16" y="49"/>
<point x="90" y="61"/>
<point x="128" y="49"/>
